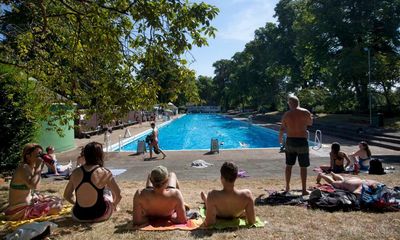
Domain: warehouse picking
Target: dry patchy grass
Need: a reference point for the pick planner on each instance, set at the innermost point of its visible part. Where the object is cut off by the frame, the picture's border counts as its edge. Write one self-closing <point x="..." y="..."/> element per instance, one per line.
<point x="284" y="222"/>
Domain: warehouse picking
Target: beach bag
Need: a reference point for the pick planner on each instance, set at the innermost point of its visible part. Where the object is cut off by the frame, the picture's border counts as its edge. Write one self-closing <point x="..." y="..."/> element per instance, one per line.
<point x="375" y="167"/>
<point x="149" y="138"/>
<point x="157" y="151"/>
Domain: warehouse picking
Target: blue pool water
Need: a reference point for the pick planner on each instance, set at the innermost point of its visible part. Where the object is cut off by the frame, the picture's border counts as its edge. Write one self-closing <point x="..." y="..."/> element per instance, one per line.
<point x="194" y="132"/>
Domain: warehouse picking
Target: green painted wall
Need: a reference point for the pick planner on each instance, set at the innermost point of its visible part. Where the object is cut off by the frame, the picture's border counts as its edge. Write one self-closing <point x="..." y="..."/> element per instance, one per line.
<point x="61" y="144"/>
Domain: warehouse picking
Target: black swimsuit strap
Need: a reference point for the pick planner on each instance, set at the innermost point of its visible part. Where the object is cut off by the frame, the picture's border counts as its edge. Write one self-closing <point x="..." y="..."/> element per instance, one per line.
<point x="87" y="178"/>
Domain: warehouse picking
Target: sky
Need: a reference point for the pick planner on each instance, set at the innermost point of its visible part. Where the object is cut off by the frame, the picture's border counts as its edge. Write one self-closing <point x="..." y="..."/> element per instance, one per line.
<point x="236" y="22"/>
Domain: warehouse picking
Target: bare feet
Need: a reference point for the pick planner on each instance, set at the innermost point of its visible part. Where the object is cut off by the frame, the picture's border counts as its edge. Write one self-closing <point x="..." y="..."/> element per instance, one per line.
<point x="163" y="156"/>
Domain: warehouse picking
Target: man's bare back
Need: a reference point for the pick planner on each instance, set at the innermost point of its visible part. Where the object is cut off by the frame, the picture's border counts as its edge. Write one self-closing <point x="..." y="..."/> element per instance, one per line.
<point x="295" y="122"/>
<point x="161" y="198"/>
<point x="229" y="204"/>
<point x="163" y="204"/>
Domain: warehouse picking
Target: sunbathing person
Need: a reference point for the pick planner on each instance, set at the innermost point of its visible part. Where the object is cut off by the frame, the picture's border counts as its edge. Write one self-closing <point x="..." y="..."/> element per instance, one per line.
<point x="51" y="162"/>
<point x="362" y="155"/>
<point x="351" y="184"/>
<point x="92" y="201"/>
<point x="23" y="203"/>
<point x="229" y="202"/>
<point x="160" y="199"/>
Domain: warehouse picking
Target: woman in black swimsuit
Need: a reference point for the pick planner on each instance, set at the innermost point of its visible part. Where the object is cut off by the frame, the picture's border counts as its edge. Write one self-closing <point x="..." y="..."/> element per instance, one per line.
<point x="92" y="202"/>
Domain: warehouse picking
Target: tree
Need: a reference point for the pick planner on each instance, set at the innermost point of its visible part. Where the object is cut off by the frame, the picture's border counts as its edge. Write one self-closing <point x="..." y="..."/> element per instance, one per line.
<point x="223" y="69"/>
<point x="19" y="111"/>
<point x="207" y="90"/>
<point x="91" y="52"/>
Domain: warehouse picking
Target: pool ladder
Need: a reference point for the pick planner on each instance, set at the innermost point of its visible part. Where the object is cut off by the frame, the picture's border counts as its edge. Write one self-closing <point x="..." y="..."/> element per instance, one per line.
<point x="317" y="139"/>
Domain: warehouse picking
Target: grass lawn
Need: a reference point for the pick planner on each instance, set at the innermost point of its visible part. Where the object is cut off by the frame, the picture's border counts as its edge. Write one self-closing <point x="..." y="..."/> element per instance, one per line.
<point x="284" y="222"/>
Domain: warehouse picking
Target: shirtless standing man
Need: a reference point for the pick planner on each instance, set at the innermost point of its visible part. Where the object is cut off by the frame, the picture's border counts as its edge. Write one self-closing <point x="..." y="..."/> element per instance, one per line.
<point x="295" y="122"/>
<point x="229" y="202"/>
<point x="161" y="198"/>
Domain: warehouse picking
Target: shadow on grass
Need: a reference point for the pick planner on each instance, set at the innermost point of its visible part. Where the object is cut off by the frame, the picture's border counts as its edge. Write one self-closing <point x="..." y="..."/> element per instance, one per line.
<point x="126" y="227"/>
<point x="199" y="233"/>
<point x="203" y="233"/>
<point x="66" y="226"/>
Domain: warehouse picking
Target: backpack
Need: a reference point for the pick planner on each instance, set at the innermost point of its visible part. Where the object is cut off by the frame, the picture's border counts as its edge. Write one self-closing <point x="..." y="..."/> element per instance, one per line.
<point x="375" y="167"/>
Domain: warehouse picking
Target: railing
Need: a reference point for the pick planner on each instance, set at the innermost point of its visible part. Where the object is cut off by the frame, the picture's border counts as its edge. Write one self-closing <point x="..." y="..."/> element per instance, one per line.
<point x="318" y="140"/>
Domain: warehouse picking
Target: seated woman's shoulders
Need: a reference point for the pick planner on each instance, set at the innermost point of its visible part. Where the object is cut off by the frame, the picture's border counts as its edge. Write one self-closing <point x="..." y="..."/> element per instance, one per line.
<point x="342" y="154"/>
<point x="104" y="173"/>
<point x="246" y="193"/>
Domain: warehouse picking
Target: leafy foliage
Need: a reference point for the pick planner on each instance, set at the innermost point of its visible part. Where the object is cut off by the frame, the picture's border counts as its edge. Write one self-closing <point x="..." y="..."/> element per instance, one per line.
<point x="108" y="56"/>
<point x="19" y="111"/>
<point x="318" y="50"/>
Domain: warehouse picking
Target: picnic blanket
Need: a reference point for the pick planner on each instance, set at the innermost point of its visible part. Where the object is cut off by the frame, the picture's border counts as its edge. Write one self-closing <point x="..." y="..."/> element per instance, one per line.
<point x="231" y="223"/>
<point x="15" y="224"/>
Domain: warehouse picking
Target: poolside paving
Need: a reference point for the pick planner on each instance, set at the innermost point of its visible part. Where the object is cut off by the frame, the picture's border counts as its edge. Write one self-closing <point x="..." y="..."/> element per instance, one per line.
<point x="259" y="163"/>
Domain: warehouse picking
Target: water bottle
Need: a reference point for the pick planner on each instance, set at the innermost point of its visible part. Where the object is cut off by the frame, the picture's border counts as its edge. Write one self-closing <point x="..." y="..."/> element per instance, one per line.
<point x="356" y="167"/>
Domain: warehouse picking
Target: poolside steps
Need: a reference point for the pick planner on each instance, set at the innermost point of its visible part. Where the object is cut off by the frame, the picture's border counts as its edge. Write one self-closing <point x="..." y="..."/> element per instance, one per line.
<point x="356" y="133"/>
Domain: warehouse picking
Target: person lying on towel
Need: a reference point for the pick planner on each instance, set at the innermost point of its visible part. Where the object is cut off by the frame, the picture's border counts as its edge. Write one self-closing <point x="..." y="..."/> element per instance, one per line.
<point x="351" y="184"/>
<point x="160" y="199"/>
<point x="23" y="204"/>
<point x="229" y="202"/>
<point x="97" y="194"/>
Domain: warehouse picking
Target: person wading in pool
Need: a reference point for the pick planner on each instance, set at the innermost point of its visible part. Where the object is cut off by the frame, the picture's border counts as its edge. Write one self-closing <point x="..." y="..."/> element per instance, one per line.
<point x="294" y="123"/>
<point x="154" y="142"/>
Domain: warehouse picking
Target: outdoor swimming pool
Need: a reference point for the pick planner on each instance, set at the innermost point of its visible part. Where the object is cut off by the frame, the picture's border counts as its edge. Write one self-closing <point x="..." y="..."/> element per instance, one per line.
<point x="194" y="132"/>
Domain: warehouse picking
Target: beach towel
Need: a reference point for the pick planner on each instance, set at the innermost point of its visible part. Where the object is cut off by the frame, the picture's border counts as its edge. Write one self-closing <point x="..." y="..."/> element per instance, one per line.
<point x="200" y="164"/>
<point x="60" y="174"/>
<point x="117" y="171"/>
<point x="231" y="223"/>
<point x="167" y="225"/>
<point x="243" y="174"/>
<point x="15" y="224"/>
<point x="324" y="187"/>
